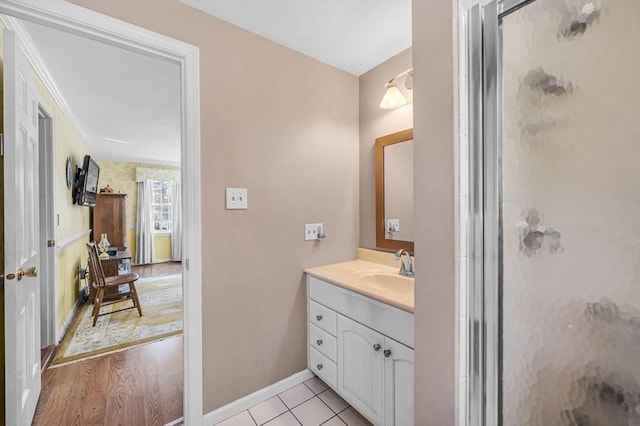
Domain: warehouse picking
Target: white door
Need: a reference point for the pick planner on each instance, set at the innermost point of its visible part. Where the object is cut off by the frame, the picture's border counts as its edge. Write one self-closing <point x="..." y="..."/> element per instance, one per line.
<point x="21" y="228"/>
<point x="361" y="368"/>
<point x="398" y="371"/>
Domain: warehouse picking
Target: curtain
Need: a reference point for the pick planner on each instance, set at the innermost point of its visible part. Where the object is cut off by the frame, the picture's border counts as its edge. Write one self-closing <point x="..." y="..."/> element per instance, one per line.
<point x="176" y="222"/>
<point x="144" y="225"/>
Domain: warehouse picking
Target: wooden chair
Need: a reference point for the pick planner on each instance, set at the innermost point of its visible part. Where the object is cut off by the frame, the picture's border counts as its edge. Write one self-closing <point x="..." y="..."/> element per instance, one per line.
<point x="101" y="283"/>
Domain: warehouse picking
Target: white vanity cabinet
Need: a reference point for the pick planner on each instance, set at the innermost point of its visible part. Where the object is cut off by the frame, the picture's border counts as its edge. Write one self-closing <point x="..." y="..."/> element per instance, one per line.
<point x="362" y="349"/>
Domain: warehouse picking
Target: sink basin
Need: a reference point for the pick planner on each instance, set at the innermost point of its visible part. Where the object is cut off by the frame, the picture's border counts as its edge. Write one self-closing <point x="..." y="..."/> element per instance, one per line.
<point x="388" y="282"/>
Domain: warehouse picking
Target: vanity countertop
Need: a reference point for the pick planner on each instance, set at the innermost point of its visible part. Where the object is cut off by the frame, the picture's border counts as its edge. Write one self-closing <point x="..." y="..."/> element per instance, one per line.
<point x="375" y="280"/>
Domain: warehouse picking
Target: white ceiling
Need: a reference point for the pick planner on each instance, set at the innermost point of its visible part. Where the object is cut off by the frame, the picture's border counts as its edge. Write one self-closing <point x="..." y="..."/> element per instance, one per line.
<point x="115" y="94"/>
<point x="352" y="35"/>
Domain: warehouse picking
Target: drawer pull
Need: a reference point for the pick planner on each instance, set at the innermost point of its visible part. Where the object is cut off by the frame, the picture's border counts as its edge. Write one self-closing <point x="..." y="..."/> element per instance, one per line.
<point x="319" y="317"/>
<point x="319" y="367"/>
<point x="387" y="353"/>
<point x="319" y="342"/>
<point x="376" y="347"/>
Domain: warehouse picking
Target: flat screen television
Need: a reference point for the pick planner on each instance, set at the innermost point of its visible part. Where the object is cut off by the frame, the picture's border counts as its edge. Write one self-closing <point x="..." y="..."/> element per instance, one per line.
<point x="87" y="183"/>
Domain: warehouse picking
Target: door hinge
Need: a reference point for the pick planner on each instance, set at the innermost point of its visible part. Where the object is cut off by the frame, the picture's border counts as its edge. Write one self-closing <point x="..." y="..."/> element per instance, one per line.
<point x="1" y="144"/>
<point x="186" y="264"/>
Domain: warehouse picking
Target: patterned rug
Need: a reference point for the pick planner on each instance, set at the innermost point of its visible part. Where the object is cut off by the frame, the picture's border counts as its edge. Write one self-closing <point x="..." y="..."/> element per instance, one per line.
<point x="161" y="302"/>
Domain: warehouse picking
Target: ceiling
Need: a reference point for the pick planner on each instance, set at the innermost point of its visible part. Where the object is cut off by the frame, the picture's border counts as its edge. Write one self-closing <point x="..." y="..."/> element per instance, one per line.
<point x="352" y="35"/>
<point x="127" y="105"/>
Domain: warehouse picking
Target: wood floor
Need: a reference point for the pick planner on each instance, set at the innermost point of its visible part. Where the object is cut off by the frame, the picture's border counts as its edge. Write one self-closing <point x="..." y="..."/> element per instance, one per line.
<point x="138" y="386"/>
<point x="157" y="269"/>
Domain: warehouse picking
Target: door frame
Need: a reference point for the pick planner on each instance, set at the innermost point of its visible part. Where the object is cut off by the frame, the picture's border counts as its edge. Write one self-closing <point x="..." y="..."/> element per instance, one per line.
<point x="90" y="24"/>
<point x="48" y="317"/>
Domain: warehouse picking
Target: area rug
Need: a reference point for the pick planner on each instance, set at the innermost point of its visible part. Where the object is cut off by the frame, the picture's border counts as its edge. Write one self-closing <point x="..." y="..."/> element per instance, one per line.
<point x="161" y="302"/>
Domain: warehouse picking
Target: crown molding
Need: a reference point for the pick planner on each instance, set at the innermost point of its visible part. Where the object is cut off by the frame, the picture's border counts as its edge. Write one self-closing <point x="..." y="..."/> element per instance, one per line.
<point x="40" y="68"/>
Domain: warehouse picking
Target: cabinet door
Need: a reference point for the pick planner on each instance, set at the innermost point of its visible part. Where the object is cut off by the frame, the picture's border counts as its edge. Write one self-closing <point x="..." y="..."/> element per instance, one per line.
<point x="398" y="370"/>
<point x="361" y="368"/>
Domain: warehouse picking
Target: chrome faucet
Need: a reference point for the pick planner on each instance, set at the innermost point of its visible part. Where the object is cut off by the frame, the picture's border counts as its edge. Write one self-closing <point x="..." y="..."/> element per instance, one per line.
<point x="406" y="269"/>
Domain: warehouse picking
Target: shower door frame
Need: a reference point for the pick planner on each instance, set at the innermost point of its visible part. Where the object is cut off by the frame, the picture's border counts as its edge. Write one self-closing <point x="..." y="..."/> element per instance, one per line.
<point x="485" y="280"/>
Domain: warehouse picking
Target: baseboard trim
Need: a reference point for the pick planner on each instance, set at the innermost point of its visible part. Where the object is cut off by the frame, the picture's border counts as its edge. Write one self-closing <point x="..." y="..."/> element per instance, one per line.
<point x="246" y="402"/>
<point x="67" y="322"/>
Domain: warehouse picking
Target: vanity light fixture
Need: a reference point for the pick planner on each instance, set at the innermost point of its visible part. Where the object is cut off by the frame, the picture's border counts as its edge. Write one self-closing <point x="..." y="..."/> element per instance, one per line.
<point x="393" y="97"/>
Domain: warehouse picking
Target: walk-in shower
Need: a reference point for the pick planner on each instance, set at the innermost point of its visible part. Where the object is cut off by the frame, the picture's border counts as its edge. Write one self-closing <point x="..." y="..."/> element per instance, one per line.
<point x="554" y="213"/>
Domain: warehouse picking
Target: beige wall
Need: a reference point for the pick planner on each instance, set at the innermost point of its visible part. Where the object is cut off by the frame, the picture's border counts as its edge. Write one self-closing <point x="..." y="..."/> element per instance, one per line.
<point x="288" y="131"/>
<point x="434" y="53"/>
<point x="121" y="176"/>
<point x="376" y="122"/>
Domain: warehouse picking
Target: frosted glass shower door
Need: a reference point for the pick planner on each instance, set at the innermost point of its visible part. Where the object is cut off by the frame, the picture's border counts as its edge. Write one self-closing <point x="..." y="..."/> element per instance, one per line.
<point x="568" y="182"/>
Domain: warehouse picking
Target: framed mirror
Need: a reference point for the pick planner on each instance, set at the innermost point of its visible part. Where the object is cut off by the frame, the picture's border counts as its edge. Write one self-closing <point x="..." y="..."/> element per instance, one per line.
<point x="394" y="191"/>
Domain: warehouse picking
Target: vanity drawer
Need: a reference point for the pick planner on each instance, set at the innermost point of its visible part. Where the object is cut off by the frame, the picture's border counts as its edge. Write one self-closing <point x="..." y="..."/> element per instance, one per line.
<point x="323" y="317"/>
<point x="323" y="367"/>
<point x="322" y="341"/>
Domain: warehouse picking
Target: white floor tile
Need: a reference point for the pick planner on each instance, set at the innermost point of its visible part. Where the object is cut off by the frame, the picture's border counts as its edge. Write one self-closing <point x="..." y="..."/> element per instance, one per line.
<point x="267" y="410"/>
<point x="333" y="400"/>
<point x="334" y="421"/>
<point x="296" y="396"/>
<point x="352" y="418"/>
<point x="242" y="419"/>
<point x="314" y="412"/>
<point x="316" y="385"/>
<point x="286" y="419"/>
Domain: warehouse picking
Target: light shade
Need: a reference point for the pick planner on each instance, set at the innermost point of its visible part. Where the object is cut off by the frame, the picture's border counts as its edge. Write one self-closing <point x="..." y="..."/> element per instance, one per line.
<point x="393" y="98"/>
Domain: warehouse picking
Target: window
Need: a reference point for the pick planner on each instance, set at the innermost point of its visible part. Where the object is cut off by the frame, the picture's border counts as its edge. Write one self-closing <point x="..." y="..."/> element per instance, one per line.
<point x="161" y="205"/>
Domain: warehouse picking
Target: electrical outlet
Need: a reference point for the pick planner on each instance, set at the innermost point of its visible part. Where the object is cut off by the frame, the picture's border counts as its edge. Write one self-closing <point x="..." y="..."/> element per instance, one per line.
<point x="393" y="225"/>
<point x="237" y="198"/>
<point x="313" y="231"/>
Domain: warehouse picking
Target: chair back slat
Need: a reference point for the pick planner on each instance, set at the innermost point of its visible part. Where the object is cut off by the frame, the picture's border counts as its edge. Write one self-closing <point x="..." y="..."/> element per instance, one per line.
<point x="97" y="273"/>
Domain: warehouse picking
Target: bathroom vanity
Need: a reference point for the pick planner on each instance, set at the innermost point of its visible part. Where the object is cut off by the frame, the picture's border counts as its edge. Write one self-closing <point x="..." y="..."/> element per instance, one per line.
<point x="360" y="337"/>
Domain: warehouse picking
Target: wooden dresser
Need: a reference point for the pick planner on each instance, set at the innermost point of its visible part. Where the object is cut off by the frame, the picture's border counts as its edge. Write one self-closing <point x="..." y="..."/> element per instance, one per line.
<point x="109" y="217"/>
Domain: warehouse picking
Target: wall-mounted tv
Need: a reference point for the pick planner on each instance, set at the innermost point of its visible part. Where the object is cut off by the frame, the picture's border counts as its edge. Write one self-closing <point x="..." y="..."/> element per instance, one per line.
<point x="86" y="188"/>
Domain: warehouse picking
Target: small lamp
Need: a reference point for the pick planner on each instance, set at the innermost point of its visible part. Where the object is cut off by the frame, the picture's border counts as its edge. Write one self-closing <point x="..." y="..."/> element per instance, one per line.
<point x="103" y="245"/>
<point x="393" y="98"/>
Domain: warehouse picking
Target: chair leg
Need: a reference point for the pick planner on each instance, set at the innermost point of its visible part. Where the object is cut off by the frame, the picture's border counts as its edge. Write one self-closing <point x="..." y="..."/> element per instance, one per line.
<point x="96" y="305"/>
<point x="134" y="296"/>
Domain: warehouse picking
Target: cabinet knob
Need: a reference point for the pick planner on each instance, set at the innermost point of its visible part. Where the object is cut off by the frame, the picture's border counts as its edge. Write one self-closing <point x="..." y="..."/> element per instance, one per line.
<point x="319" y="366"/>
<point x="387" y="353"/>
<point x="319" y="317"/>
<point x="319" y="342"/>
<point x="376" y="347"/>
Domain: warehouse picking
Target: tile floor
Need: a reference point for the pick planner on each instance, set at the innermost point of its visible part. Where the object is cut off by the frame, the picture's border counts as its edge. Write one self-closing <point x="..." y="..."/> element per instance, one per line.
<point x="311" y="403"/>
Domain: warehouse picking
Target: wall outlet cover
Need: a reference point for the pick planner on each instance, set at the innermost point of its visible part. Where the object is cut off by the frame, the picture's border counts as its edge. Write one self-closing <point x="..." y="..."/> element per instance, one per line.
<point x="393" y="225"/>
<point x="312" y="231"/>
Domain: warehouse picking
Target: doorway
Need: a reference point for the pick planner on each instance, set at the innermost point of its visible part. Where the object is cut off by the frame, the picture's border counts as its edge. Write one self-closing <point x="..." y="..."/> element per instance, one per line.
<point x="66" y="17"/>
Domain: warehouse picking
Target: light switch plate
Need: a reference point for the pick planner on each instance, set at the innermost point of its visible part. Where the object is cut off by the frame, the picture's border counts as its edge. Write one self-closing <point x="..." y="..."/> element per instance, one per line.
<point x="237" y="199"/>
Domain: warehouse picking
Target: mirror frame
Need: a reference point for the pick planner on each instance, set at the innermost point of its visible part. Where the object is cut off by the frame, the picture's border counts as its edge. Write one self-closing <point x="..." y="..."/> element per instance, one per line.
<point x="381" y="241"/>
